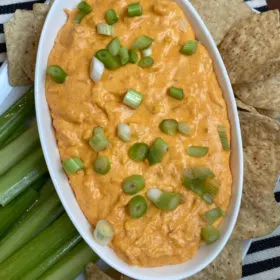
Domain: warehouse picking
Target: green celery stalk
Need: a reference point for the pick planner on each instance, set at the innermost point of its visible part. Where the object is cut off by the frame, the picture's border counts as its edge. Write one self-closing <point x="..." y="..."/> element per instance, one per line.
<point x="16" y="150"/>
<point x="72" y="264"/>
<point x="16" y="115"/>
<point x="38" y="249"/>
<point x="14" y="210"/>
<point x="50" y="261"/>
<point x="22" y="175"/>
<point x="38" y="219"/>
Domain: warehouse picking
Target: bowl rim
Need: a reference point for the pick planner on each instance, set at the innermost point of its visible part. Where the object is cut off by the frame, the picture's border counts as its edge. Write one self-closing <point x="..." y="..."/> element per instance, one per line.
<point x="41" y="108"/>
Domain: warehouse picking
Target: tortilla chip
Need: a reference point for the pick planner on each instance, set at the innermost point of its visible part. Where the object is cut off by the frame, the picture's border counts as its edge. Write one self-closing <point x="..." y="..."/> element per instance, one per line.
<point x="227" y="266"/>
<point x="244" y="107"/>
<point x="41" y="9"/>
<point x="221" y="15"/>
<point x="259" y="214"/>
<point x="264" y="91"/>
<point x="250" y="44"/>
<point x="270" y="113"/>
<point x="18" y="33"/>
<point x="94" y="273"/>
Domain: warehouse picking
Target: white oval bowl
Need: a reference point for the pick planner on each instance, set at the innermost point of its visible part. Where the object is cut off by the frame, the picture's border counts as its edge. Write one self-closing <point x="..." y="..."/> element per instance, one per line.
<point x="206" y="254"/>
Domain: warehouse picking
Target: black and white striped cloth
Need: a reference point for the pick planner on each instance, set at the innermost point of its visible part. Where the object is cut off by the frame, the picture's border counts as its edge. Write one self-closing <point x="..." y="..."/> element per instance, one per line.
<point x="263" y="259"/>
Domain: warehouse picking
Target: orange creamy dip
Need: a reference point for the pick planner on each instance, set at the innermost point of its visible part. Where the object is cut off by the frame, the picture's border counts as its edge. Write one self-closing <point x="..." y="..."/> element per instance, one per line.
<point x="79" y="105"/>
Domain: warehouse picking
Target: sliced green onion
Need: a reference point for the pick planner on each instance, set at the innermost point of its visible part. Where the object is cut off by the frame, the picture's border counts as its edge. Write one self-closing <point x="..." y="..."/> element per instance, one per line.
<point x="146" y="62"/>
<point x="202" y="172"/>
<point x="99" y="142"/>
<point x="223" y="137"/>
<point x="105" y="29"/>
<point x="138" y="152"/>
<point x="96" y="69"/>
<point x="164" y="200"/>
<point x="212" y="187"/>
<point x="111" y="17"/>
<point x="169" y="126"/>
<point x="114" y="46"/>
<point x="98" y="130"/>
<point x="137" y="207"/>
<point x="57" y="74"/>
<point x="177" y="93"/>
<point x="84" y="7"/>
<point x="102" y="165"/>
<point x="108" y="59"/>
<point x="79" y="16"/>
<point x="207" y="198"/>
<point x="157" y="151"/>
<point x="133" y="184"/>
<point x="210" y="234"/>
<point x="133" y="57"/>
<point x="124" y="132"/>
<point x="190" y="47"/>
<point x="103" y="232"/>
<point x="184" y="128"/>
<point x="124" y="55"/>
<point x="134" y="10"/>
<point x="147" y="52"/>
<point x="73" y="165"/>
<point x="197" y="151"/>
<point x="133" y="98"/>
<point x="213" y="215"/>
<point x="142" y="43"/>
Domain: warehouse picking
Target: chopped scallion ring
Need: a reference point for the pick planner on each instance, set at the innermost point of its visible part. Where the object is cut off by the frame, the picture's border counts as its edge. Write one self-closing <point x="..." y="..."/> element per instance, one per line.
<point x="83" y="9"/>
<point x="124" y="55"/>
<point x="114" y="46"/>
<point x="57" y="74"/>
<point x="103" y="232"/>
<point x="96" y="69"/>
<point x="102" y="165"/>
<point x="111" y="17"/>
<point x="213" y="215"/>
<point x="190" y="47"/>
<point x="210" y="234"/>
<point x="78" y="18"/>
<point x="137" y="207"/>
<point x="105" y="29"/>
<point x="108" y="59"/>
<point x="177" y="93"/>
<point x="133" y="57"/>
<point x="197" y="151"/>
<point x="147" y="52"/>
<point x="134" y="10"/>
<point x="124" y="132"/>
<point x="146" y="62"/>
<point x="142" y="43"/>
<point x="133" y="99"/>
<point x="138" y="152"/>
<point x="99" y="142"/>
<point x="73" y="165"/>
<point x="169" y="126"/>
<point x="157" y="151"/>
<point x="223" y="137"/>
<point x="184" y="128"/>
<point x="133" y="184"/>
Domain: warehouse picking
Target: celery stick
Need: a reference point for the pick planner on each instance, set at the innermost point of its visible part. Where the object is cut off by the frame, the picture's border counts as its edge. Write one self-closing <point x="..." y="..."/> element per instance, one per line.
<point x="16" y="150"/>
<point x="23" y="174"/>
<point x="72" y="264"/>
<point x="16" y="115"/>
<point x="38" y="249"/>
<point x="35" y="222"/>
<point x="12" y="212"/>
<point x="40" y="269"/>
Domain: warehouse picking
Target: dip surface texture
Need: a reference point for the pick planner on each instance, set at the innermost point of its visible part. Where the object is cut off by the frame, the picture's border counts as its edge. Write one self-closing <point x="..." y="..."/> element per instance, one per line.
<point x="79" y="105"/>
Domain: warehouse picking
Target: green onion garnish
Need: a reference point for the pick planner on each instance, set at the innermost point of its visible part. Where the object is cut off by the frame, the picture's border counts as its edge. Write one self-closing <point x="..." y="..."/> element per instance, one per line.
<point x="133" y="99"/>
<point x="73" y="165"/>
<point x="78" y="18"/>
<point x="142" y="43"/>
<point x="114" y="46"/>
<point x="212" y="187"/>
<point x="213" y="215"/>
<point x="111" y="17"/>
<point x="135" y="10"/>
<point x="83" y="9"/>
<point x="210" y="234"/>
<point x="124" y="132"/>
<point x="57" y="74"/>
<point x="164" y="200"/>
<point x="190" y="47"/>
<point x="177" y="93"/>
<point x="105" y="29"/>
<point x="184" y="128"/>
<point x="102" y="165"/>
<point x="147" y="52"/>
<point x="223" y="137"/>
<point x="146" y="62"/>
<point x="133" y="184"/>
<point x="138" y="152"/>
<point x="97" y="69"/>
<point x="137" y="207"/>
<point x="99" y="142"/>
<point x="124" y="55"/>
<point x="197" y="151"/>
<point x="108" y="59"/>
<point x="169" y="126"/>
<point x="133" y="57"/>
<point x="103" y="232"/>
<point x="157" y="151"/>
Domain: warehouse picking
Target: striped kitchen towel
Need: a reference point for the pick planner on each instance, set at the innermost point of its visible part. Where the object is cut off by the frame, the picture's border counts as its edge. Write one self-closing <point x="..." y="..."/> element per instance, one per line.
<point x="263" y="259"/>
